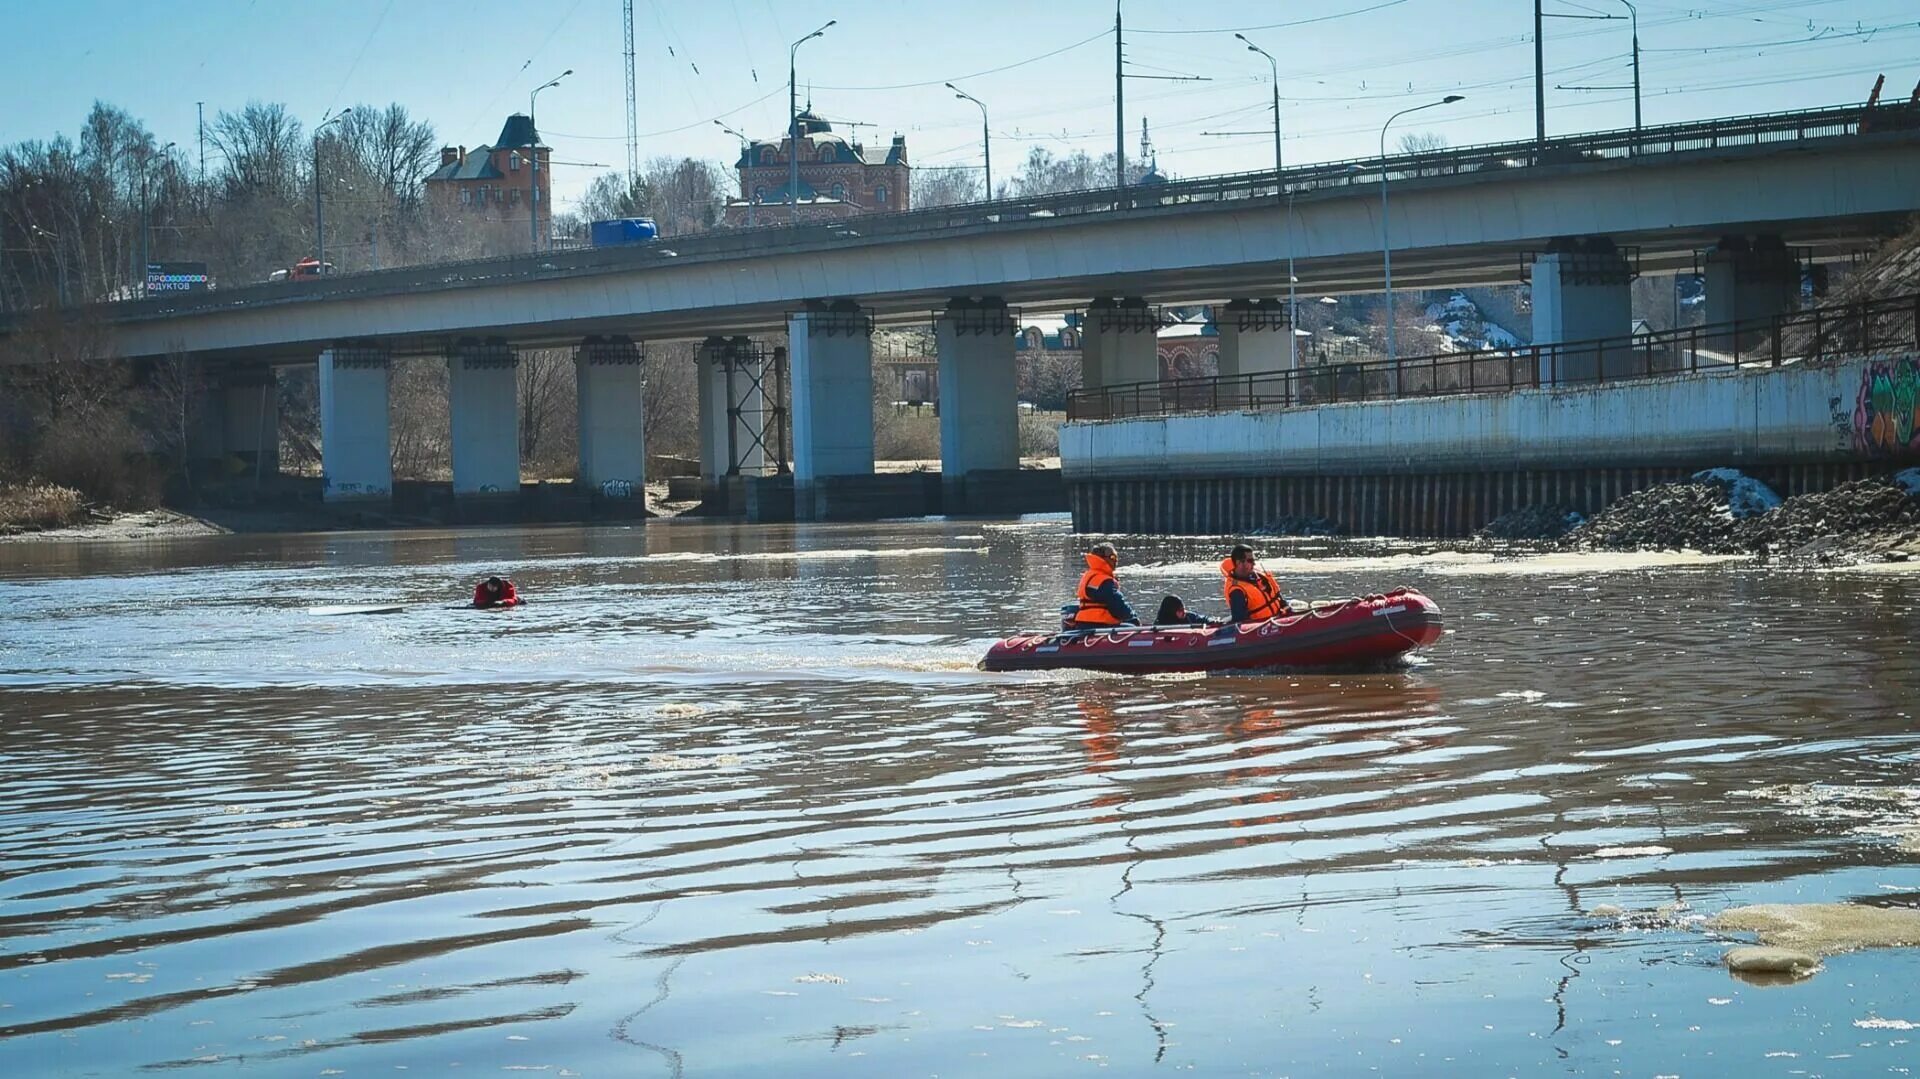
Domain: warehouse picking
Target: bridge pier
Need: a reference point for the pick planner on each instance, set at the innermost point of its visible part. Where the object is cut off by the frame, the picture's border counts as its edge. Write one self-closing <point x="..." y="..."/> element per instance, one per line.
<point x="979" y="401"/>
<point x="1750" y="280"/>
<point x="610" y="384"/>
<point x="831" y="354"/>
<point x="356" y="461"/>
<point x="238" y="428"/>
<point x="484" y="412"/>
<point x="1582" y="292"/>
<point x="1254" y="339"/>
<point x="1121" y="344"/>
<point x="732" y="410"/>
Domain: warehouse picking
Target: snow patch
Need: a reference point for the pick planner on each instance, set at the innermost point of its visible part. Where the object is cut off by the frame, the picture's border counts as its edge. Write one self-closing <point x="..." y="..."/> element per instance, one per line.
<point x="1746" y="496"/>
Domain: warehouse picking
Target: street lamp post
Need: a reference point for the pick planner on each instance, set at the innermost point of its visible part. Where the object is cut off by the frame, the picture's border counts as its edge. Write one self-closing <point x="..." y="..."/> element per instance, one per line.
<point x="746" y="148"/>
<point x="533" y="161"/>
<point x="319" y="216"/>
<point x="146" y="253"/>
<point x="1279" y="167"/>
<point x="1386" y="236"/>
<point x="986" y="136"/>
<point x="793" y="124"/>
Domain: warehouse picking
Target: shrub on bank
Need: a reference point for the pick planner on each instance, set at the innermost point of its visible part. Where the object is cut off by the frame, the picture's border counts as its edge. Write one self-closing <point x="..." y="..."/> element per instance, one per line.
<point x="105" y="460"/>
<point x="30" y="507"/>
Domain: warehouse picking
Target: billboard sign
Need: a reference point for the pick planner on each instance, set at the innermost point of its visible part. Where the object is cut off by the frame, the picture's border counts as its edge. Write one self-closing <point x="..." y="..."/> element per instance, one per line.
<point x="177" y="277"/>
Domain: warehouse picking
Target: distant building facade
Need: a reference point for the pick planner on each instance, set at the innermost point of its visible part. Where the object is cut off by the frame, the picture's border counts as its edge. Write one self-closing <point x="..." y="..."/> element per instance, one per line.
<point x="499" y="183"/>
<point x="836" y="180"/>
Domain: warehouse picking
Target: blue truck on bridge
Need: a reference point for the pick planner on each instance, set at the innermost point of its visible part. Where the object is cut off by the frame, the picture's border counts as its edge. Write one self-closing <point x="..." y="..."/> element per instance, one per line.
<point x="624" y="230"/>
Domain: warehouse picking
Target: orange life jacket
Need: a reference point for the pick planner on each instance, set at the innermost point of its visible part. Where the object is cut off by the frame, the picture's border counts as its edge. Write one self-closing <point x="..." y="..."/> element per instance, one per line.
<point x="1092" y="612"/>
<point x="1262" y="593"/>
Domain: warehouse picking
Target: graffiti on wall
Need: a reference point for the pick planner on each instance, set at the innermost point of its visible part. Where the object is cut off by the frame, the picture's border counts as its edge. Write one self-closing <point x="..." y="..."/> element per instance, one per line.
<point x="1883" y="413"/>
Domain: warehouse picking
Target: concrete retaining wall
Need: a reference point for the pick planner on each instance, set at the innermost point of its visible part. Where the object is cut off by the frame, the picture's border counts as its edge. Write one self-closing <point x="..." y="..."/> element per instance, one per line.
<point x="1445" y="466"/>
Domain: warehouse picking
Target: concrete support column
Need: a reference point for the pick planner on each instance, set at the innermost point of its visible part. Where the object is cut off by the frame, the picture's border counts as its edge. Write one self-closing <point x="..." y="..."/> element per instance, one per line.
<point x="1582" y="293"/>
<point x="356" y="460"/>
<point x="611" y="387"/>
<point x="1750" y="281"/>
<point x="1120" y="344"/>
<point x="979" y="405"/>
<point x="1254" y="340"/>
<point x="733" y="409"/>
<point x="831" y="350"/>
<point x="484" y="411"/>
<point x="250" y="419"/>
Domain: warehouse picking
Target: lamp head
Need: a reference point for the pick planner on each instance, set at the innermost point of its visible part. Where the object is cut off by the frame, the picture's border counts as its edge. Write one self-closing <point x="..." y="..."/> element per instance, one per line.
<point x="1451" y="98"/>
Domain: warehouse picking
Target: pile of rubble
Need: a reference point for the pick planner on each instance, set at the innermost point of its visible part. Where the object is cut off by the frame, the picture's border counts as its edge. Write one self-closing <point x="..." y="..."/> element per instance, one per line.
<point x="1721" y="511"/>
<point x="1691" y="516"/>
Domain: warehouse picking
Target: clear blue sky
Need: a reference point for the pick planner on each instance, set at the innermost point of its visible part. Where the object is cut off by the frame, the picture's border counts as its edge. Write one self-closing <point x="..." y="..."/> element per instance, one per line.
<point x="464" y="65"/>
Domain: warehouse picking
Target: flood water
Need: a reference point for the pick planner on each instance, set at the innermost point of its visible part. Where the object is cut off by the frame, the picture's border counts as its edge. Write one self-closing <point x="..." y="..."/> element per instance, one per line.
<point x="732" y="801"/>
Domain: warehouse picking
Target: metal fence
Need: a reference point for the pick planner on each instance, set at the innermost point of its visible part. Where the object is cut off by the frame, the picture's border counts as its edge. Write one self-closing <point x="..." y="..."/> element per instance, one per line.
<point x="1851" y="329"/>
<point x="1763" y="129"/>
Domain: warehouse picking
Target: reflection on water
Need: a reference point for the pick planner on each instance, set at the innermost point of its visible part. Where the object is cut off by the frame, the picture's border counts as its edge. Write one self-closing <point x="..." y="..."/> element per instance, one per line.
<point x="735" y="800"/>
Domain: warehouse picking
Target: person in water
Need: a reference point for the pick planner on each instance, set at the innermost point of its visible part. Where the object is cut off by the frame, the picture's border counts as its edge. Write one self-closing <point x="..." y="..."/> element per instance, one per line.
<point x="496" y="592"/>
<point x="1252" y="593"/>
<point x="1100" y="600"/>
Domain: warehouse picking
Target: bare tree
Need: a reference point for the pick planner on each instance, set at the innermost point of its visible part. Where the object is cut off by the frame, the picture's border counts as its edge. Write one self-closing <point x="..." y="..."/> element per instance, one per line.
<point x="263" y="150"/>
<point x="1421" y="142"/>
<point x="934" y="187"/>
<point x="176" y="395"/>
<point x="548" y="412"/>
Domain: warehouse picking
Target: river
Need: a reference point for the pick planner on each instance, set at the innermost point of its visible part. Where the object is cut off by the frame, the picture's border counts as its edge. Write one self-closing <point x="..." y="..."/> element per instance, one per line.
<point x="735" y="801"/>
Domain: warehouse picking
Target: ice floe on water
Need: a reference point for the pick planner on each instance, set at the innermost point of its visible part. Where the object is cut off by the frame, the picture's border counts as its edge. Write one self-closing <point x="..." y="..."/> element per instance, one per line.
<point x="1767" y="963"/>
<point x="1630" y="852"/>
<point x="1884" y="812"/>
<point x="1447" y="563"/>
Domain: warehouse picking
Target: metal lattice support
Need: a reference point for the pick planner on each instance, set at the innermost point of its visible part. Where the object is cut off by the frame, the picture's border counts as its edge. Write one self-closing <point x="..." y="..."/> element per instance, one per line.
<point x="1256" y="315"/>
<point x="758" y="368"/>
<point x="633" y="109"/>
<point x="1127" y="317"/>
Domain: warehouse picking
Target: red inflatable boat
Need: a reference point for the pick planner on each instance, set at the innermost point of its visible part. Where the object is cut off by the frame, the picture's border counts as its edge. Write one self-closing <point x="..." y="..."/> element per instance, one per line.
<point x="1354" y="631"/>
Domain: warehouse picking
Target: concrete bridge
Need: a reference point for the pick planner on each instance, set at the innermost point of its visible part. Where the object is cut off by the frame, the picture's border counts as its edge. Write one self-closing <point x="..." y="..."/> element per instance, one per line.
<point x="1751" y="197"/>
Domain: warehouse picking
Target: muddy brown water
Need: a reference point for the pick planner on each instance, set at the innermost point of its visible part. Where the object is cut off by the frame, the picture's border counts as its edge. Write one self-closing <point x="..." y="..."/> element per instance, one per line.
<point x="734" y="801"/>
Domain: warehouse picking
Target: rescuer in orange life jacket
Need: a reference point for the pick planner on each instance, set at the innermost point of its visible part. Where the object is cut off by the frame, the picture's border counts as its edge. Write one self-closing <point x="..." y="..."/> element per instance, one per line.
<point x="1100" y="602"/>
<point x="496" y="592"/>
<point x="1252" y="593"/>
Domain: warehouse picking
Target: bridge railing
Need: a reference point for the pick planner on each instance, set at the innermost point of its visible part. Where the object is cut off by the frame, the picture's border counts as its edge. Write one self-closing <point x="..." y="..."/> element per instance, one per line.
<point x="1767" y="128"/>
<point x="1851" y="329"/>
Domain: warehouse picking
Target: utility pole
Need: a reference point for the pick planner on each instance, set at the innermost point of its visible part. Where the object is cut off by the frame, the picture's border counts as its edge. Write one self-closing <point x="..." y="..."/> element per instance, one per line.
<point x="200" y="107"/>
<point x="1539" y="83"/>
<point x="1119" y="105"/>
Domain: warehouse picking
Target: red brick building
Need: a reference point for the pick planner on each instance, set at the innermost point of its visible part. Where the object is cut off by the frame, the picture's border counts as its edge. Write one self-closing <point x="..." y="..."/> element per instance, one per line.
<point x="836" y="179"/>
<point x="496" y="183"/>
